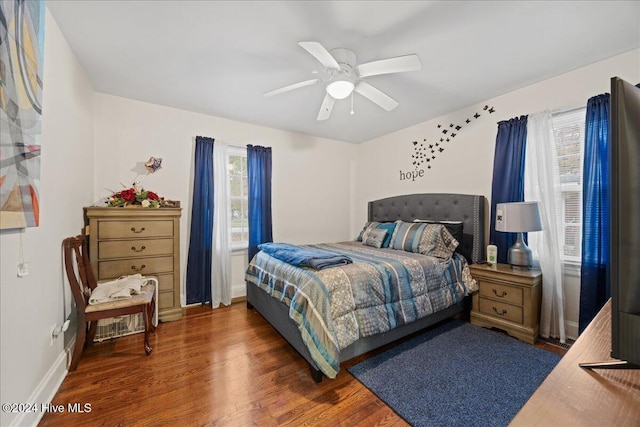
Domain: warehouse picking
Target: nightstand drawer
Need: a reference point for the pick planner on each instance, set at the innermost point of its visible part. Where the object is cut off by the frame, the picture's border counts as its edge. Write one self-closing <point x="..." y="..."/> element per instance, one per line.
<point x="500" y="310"/>
<point x="134" y="248"/>
<point x="500" y="292"/>
<point x="134" y="229"/>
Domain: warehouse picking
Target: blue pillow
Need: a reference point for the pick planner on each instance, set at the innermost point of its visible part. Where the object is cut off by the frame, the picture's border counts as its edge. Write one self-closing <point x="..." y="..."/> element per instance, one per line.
<point x="407" y="236"/>
<point x="389" y="226"/>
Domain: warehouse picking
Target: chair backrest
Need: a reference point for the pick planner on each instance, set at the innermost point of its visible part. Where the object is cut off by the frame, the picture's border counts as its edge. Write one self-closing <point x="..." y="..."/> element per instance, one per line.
<point x="78" y="268"/>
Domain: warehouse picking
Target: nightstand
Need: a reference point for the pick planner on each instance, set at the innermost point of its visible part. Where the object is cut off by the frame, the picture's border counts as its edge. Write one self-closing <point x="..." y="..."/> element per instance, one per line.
<point x="507" y="299"/>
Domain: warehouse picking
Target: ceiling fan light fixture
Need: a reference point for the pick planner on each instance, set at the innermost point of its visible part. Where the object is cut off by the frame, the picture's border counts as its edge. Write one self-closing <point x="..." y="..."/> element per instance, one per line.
<point x="340" y="89"/>
<point x="342" y="72"/>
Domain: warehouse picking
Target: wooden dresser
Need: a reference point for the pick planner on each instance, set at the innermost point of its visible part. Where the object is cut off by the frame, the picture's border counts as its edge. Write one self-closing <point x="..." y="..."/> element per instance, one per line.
<point x="138" y="240"/>
<point x="507" y="299"/>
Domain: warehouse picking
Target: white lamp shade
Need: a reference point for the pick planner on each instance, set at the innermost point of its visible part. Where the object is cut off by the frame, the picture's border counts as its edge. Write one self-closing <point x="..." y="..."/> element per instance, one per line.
<point x="340" y="89"/>
<point x="518" y="217"/>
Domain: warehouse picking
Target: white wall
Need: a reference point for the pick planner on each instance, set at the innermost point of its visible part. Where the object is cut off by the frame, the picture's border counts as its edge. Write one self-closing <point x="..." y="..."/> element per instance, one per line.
<point x="310" y="179"/>
<point x="466" y="165"/>
<point x="31" y="369"/>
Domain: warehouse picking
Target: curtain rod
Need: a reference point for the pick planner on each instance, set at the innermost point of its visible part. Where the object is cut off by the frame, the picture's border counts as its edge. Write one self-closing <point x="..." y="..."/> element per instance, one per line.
<point x="244" y="147"/>
<point x="228" y="145"/>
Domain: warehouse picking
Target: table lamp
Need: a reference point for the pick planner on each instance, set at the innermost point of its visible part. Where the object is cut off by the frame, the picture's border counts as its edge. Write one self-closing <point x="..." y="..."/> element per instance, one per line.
<point x="518" y="217"/>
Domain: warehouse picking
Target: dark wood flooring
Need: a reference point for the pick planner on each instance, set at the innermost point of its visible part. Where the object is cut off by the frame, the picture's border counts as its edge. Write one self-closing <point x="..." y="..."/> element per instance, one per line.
<point x="225" y="367"/>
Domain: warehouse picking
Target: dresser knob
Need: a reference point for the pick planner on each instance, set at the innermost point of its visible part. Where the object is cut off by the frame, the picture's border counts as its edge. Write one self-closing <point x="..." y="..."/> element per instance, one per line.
<point x="133" y="267"/>
<point x="138" y="231"/>
<point x="501" y="294"/>
<point x="499" y="313"/>
<point x="142" y="248"/>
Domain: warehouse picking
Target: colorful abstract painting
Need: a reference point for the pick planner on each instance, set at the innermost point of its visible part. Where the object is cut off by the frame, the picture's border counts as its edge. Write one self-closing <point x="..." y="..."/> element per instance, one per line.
<point x="21" y="57"/>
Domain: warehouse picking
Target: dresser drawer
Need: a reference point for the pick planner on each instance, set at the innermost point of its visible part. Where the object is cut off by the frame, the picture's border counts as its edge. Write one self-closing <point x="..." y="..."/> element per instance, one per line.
<point x="134" y="248"/>
<point x="500" y="310"/>
<point x="500" y="292"/>
<point x="134" y="229"/>
<point x="165" y="282"/>
<point x="144" y="266"/>
<point x="165" y="300"/>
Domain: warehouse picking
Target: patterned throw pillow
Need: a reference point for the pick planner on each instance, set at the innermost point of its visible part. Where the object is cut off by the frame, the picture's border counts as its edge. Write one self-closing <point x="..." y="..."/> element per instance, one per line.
<point x="437" y="242"/>
<point x="374" y="237"/>
<point x="455" y="227"/>
<point x="365" y="228"/>
<point x="407" y="236"/>
<point x="388" y="226"/>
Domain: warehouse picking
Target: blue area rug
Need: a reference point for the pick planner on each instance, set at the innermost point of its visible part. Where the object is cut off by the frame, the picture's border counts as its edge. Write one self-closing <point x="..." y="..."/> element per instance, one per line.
<point x="457" y="374"/>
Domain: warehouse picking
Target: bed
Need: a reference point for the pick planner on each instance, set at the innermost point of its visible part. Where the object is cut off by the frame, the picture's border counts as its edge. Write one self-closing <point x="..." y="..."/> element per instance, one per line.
<point x="274" y="287"/>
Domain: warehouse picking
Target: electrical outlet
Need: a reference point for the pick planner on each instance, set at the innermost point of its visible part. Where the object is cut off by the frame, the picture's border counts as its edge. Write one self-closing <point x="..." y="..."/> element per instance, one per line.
<point x="23" y="269"/>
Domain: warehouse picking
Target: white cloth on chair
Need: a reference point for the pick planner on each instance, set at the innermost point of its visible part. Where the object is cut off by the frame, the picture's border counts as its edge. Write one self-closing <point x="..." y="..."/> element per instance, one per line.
<point x="122" y="287"/>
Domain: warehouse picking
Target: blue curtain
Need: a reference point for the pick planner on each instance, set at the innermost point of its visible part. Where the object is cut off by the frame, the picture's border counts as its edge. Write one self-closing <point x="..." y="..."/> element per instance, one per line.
<point x="259" y="173"/>
<point x="508" y="176"/>
<point x="200" y="238"/>
<point x="594" y="287"/>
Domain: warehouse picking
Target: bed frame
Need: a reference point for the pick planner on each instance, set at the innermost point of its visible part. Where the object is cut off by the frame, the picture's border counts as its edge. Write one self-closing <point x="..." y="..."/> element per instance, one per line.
<point x="470" y="209"/>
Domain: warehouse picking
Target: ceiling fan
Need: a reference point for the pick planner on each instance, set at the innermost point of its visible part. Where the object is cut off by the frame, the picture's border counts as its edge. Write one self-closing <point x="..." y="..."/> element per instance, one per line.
<point x="344" y="76"/>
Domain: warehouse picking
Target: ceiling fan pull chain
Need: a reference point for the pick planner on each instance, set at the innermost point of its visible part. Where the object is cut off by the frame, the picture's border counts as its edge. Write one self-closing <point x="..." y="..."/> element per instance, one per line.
<point x="352" y="112"/>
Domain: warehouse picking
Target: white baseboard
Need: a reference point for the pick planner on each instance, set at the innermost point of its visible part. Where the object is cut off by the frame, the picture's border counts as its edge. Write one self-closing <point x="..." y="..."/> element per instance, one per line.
<point x="239" y="290"/>
<point x="238" y="293"/>
<point x="571" y="329"/>
<point x="46" y="389"/>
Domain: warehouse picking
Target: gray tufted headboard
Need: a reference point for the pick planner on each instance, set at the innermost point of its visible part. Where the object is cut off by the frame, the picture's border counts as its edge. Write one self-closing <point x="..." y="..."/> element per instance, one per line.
<point x="448" y="207"/>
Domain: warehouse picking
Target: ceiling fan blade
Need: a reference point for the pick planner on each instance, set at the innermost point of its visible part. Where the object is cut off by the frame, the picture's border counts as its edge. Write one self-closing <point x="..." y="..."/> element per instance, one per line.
<point x="376" y="96"/>
<point x="290" y="87"/>
<point x="326" y="107"/>
<point x="399" y="64"/>
<point x="321" y="54"/>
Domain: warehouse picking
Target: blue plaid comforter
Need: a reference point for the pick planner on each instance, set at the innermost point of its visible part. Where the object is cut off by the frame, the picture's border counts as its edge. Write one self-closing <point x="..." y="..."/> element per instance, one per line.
<point x="380" y="290"/>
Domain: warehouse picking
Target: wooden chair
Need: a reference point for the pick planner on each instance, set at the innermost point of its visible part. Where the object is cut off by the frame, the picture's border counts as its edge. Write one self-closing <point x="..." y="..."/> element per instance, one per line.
<point x="83" y="282"/>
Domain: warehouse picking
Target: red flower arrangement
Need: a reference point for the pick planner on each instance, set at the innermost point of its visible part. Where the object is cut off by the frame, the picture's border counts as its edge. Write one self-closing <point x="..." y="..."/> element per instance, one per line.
<point x="135" y="195"/>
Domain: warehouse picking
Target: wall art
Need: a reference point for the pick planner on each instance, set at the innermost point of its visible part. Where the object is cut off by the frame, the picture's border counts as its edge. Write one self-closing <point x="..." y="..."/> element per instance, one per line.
<point x="426" y="152"/>
<point x="21" y="58"/>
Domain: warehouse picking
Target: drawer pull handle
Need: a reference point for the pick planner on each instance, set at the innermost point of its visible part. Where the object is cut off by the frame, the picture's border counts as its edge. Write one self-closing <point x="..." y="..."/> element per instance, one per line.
<point x="499" y="295"/>
<point x="137" y="232"/>
<point x="142" y="248"/>
<point x="499" y="313"/>
<point x="133" y="267"/>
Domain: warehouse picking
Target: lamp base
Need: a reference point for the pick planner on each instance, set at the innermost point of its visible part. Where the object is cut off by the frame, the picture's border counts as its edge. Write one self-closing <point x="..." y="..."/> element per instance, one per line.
<point x="519" y="256"/>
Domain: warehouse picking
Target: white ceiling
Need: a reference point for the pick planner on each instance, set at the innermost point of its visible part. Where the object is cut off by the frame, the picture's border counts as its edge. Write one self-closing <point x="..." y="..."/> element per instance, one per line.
<point x="219" y="57"/>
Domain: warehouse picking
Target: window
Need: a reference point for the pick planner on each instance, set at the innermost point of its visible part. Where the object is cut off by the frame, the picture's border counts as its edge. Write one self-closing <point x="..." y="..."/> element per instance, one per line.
<point x="238" y="195"/>
<point x="568" y="132"/>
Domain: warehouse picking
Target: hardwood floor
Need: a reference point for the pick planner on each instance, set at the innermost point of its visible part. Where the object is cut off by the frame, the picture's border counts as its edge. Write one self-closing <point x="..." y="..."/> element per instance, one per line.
<point x="225" y="367"/>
